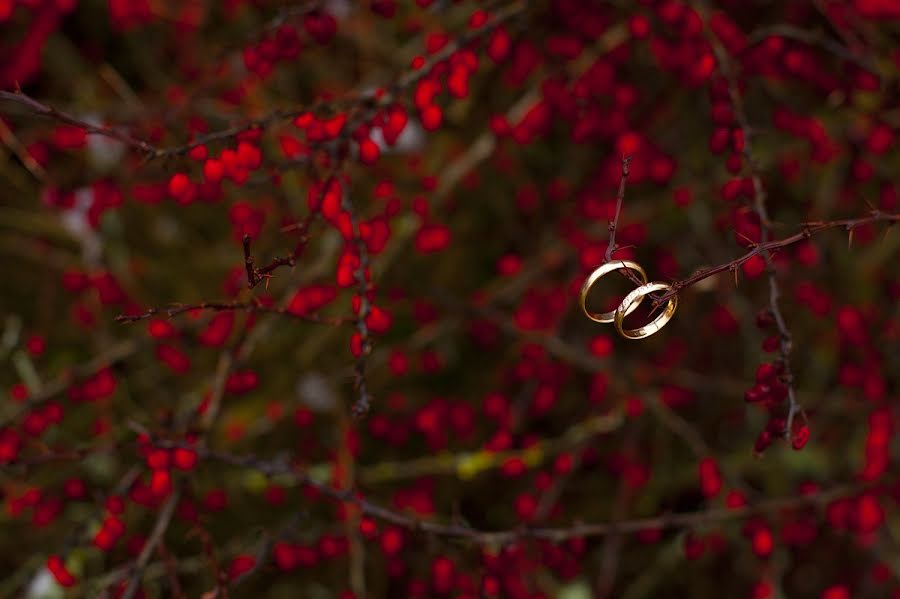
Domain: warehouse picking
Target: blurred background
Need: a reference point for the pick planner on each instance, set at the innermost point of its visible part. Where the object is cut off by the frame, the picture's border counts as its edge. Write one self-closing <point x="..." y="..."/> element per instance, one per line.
<point x="289" y="299"/>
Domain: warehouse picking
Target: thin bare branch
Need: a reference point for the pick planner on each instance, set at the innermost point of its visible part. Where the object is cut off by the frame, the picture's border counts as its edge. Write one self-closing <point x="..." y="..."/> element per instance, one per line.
<point x="159" y="530"/>
<point x="759" y="206"/>
<point x="620" y="197"/>
<point x="20" y="98"/>
<point x="252" y="307"/>
<point x="505" y="537"/>
<point x="807" y="230"/>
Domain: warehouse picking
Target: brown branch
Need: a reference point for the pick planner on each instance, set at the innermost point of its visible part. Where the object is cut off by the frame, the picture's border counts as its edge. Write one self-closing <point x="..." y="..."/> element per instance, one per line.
<point x="808" y="230"/>
<point x="284" y="16"/>
<point x="346" y="465"/>
<point x="159" y="530"/>
<point x="508" y="13"/>
<point x="811" y="38"/>
<point x="70" y="455"/>
<point x="264" y="272"/>
<point x="614" y="223"/>
<point x="262" y="123"/>
<point x="363" y="400"/>
<point x="355" y="99"/>
<point x="505" y="537"/>
<point x="171" y="568"/>
<point x="14" y="579"/>
<point x="683" y="429"/>
<point x="12" y="142"/>
<point x="759" y="206"/>
<point x="252" y="307"/>
<point x="248" y="263"/>
<point x="467" y="465"/>
<point x="209" y="552"/>
<point x="847" y="35"/>
<point x="39" y="108"/>
<point x="611" y="551"/>
<point x="548" y="498"/>
<point x="620" y="197"/>
<point x="113" y="355"/>
<point x="364" y="98"/>
<point x="257" y="275"/>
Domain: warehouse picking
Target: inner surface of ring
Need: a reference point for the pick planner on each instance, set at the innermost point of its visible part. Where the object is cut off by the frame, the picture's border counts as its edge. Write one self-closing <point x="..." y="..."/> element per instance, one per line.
<point x="633" y="299"/>
<point x="600" y="272"/>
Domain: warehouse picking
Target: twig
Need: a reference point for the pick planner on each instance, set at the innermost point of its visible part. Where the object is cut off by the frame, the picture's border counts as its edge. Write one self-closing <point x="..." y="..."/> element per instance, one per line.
<point x="248" y="263"/>
<point x="29" y="570"/>
<point x="223" y="368"/>
<point x="512" y="11"/>
<point x="759" y="206"/>
<point x="355" y="99"/>
<point x="171" y="568"/>
<point x="614" y="223"/>
<point x="251" y="307"/>
<point x="620" y="196"/>
<point x="12" y="142"/>
<point x="470" y="464"/>
<point x="264" y="272"/>
<point x="346" y="479"/>
<point x="808" y="230"/>
<point x="812" y="38"/>
<point x="549" y="497"/>
<point x="70" y="455"/>
<point x="683" y="429"/>
<point x="848" y="36"/>
<point x="37" y="107"/>
<point x="285" y="15"/>
<point x="505" y="537"/>
<point x="209" y="551"/>
<point x="363" y="400"/>
<point x="256" y="275"/>
<point x="159" y="530"/>
<point x="612" y="544"/>
<point x="113" y="355"/>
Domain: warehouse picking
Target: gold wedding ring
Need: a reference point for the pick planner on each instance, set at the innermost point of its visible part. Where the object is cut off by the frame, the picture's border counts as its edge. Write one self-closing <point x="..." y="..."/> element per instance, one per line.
<point x="605" y="269"/>
<point x="630" y="303"/>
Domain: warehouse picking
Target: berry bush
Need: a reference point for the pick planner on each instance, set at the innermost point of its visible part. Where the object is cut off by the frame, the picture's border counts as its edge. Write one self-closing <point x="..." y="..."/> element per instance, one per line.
<point x="290" y="298"/>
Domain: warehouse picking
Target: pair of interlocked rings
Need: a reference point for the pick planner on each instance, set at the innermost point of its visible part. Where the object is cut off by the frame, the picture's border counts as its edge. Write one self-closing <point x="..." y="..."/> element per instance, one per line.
<point x="631" y="301"/>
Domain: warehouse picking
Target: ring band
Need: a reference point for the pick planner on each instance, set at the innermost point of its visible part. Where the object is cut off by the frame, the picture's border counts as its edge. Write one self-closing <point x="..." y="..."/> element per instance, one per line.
<point x="630" y="303"/>
<point x="600" y="272"/>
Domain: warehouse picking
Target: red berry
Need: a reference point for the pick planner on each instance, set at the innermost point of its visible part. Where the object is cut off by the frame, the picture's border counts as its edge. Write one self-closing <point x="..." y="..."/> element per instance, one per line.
<point x="180" y="187"/>
<point x="368" y="152"/>
<point x="213" y="170"/>
<point x="432" y="116"/>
